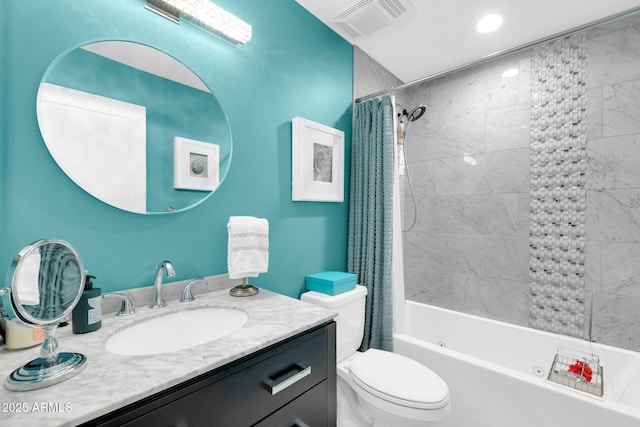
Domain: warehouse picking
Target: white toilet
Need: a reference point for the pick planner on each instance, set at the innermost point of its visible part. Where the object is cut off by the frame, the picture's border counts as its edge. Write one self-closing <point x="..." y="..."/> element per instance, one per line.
<point x="378" y="388"/>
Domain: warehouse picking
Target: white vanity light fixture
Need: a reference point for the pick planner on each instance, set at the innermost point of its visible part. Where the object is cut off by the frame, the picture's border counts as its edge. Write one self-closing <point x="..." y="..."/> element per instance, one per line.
<point x="489" y="23"/>
<point x="204" y="14"/>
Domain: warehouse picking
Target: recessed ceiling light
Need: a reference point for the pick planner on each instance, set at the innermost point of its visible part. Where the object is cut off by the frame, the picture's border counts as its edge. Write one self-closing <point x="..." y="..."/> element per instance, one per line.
<point x="489" y="23"/>
<point x="511" y="72"/>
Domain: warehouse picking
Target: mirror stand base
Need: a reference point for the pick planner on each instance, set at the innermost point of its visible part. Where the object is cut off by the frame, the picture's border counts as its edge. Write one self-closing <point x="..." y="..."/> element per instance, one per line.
<point x="41" y="373"/>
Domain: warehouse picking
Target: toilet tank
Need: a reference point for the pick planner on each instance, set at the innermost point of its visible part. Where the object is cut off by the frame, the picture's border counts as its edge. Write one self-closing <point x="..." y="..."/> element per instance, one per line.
<point x="350" y="320"/>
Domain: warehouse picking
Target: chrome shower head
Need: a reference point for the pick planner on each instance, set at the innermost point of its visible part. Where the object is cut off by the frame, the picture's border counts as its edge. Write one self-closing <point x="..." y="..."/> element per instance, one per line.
<point x="416" y="113"/>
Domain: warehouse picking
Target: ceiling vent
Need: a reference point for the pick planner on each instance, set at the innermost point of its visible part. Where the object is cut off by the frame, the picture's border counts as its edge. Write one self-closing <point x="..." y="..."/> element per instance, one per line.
<point x="368" y="16"/>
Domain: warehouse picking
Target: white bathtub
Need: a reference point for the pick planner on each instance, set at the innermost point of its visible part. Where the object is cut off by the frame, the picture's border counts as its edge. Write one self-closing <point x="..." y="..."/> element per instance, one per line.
<point x="497" y="372"/>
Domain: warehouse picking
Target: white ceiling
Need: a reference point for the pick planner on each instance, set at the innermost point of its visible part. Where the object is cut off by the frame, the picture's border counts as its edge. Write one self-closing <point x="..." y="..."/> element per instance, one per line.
<point x="437" y="36"/>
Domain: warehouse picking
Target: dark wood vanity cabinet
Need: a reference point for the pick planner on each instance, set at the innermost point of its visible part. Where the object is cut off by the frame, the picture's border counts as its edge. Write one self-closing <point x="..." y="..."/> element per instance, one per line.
<point x="289" y="384"/>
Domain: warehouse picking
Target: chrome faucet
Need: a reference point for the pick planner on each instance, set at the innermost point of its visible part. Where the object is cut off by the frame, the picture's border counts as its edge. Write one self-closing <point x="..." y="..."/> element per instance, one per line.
<point x="158" y="301"/>
<point x="126" y="308"/>
<point x="187" y="295"/>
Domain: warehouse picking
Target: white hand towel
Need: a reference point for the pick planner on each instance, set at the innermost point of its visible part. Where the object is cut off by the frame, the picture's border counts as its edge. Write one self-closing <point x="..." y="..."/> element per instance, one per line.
<point x="248" y="251"/>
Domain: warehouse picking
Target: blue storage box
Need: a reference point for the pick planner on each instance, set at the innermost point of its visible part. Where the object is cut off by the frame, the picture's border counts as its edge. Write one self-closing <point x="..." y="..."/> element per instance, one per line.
<point x="331" y="282"/>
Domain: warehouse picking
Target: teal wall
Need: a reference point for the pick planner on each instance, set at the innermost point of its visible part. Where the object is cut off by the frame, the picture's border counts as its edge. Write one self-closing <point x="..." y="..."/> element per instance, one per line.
<point x="293" y="66"/>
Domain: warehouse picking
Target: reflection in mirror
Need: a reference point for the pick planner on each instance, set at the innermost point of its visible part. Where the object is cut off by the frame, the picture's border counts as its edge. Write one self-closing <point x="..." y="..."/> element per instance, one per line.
<point x="45" y="281"/>
<point x="109" y="113"/>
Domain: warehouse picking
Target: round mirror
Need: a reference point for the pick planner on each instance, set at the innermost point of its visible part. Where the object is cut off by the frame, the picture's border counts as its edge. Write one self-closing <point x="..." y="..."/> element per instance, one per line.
<point x="133" y="127"/>
<point x="44" y="282"/>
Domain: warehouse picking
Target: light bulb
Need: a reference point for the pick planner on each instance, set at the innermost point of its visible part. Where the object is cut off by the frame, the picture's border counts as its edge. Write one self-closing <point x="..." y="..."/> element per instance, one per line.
<point x="489" y="23"/>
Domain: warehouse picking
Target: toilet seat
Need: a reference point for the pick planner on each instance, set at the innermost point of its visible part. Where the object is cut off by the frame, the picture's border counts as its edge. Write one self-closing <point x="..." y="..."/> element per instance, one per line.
<point x="399" y="380"/>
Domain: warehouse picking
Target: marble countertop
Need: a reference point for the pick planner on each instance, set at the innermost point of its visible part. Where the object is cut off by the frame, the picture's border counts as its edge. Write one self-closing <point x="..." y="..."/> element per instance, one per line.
<point x="111" y="381"/>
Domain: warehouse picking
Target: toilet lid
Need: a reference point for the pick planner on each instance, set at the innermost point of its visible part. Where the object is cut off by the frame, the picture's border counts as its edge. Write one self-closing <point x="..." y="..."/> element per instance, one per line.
<point x="398" y="379"/>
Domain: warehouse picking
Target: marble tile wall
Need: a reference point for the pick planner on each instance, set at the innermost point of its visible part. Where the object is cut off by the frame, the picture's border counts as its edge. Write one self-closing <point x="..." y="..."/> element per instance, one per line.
<point x="369" y="76"/>
<point x="469" y="166"/>
<point x="468" y="160"/>
<point x="613" y="181"/>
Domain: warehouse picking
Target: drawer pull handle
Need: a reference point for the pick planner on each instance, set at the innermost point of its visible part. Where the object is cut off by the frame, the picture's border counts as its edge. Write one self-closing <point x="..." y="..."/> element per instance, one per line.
<point x="300" y="423"/>
<point x="275" y="388"/>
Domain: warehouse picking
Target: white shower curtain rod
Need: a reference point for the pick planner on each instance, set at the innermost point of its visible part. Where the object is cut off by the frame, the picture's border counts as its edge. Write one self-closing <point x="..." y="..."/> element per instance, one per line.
<point x="500" y="54"/>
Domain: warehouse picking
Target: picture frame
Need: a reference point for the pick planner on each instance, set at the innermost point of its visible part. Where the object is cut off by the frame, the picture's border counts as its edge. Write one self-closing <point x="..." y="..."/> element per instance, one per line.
<point x="196" y="164"/>
<point x="317" y="166"/>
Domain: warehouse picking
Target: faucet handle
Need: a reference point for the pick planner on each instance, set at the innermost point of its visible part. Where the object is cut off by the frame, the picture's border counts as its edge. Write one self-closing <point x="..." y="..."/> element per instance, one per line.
<point x="187" y="295"/>
<point x="126" y="308"/>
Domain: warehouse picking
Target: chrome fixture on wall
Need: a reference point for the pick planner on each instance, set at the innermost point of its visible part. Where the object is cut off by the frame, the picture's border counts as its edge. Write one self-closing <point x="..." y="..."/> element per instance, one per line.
<point x="204" y="14"/>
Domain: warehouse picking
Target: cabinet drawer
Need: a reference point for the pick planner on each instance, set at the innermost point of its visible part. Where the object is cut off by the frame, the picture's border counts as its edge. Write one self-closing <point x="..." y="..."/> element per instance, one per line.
<point x="265" y="387"/>
<point x="307" y="410"/>
<point x="246" y="392"/>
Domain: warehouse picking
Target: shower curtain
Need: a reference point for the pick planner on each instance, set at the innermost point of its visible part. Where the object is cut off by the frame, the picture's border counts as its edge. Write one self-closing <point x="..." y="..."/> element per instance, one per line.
<point x="369" y="251"/>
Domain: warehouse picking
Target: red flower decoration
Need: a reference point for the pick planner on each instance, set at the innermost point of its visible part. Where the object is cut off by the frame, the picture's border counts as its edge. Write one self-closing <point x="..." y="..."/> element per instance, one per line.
<point x="581" y="369"/>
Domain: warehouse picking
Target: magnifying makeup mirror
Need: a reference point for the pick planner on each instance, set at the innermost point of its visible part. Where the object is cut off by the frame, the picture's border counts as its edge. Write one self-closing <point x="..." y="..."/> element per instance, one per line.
<point x="43" y="284"/>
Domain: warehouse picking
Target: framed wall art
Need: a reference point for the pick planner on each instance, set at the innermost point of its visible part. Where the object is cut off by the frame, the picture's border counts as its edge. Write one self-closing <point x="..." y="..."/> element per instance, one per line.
<point x="317" y="166"/>
<point x="196" y="165"/>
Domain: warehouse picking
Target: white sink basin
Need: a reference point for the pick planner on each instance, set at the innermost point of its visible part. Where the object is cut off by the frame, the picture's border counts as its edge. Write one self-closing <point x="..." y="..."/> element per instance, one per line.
<point x="176" y="331"/>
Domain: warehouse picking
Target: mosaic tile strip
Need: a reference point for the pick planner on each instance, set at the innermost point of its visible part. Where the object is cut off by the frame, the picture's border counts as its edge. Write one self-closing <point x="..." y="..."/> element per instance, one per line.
<point x="558" y="196"/>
